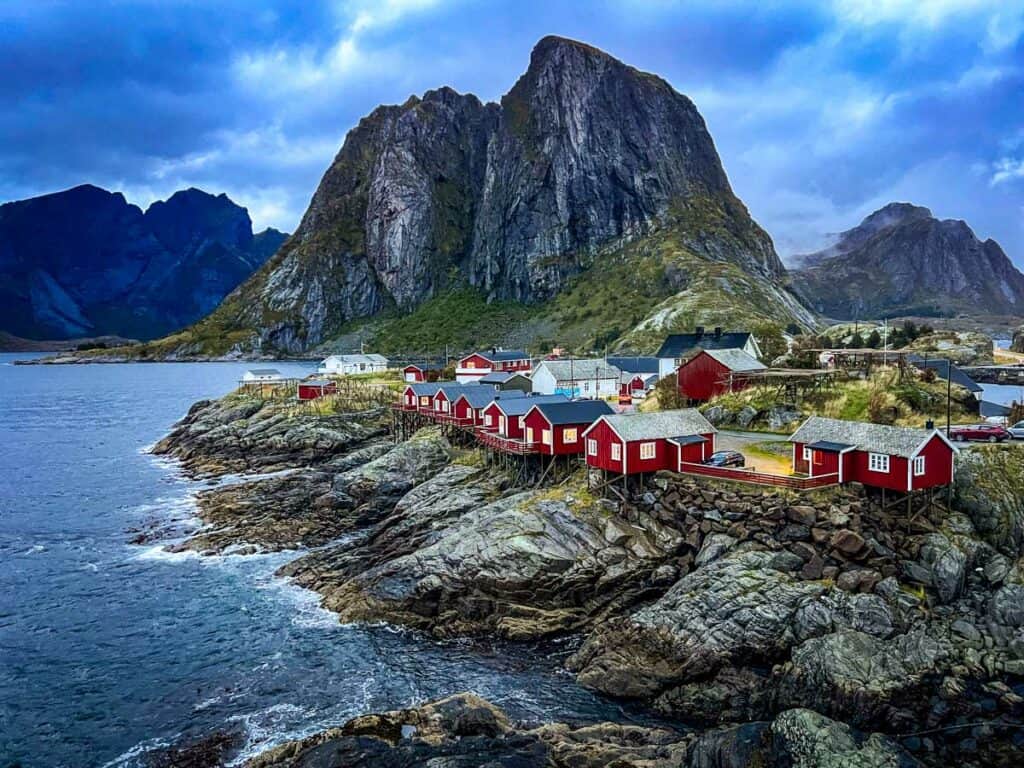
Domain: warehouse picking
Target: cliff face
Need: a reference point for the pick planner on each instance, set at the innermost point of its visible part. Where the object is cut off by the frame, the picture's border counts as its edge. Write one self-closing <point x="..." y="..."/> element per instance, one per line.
<point x="583" y="156"/>
<point x="84" y="262"/>
<point x="902" y="261"/>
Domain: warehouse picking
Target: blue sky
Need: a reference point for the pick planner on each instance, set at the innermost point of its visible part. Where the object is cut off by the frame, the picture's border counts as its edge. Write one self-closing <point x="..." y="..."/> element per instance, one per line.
<point x="822" y="111"/>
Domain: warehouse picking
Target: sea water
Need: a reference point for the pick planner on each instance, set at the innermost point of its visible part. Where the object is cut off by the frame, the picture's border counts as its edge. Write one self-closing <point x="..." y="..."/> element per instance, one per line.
<point x="109" y="650"/>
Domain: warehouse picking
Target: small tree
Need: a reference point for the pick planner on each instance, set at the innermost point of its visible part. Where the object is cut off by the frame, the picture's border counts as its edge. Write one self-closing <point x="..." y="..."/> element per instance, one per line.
<point x="793" y="329"/>
<point x="857" y="341"/>
<point x="874" y="339"/>
<point x="667" y="390"/>
<point x="770" y="340"/>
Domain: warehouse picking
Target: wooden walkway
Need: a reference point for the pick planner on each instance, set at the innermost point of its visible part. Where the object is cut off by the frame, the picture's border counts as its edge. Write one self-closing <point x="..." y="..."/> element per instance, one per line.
<point x="760" y="478"/>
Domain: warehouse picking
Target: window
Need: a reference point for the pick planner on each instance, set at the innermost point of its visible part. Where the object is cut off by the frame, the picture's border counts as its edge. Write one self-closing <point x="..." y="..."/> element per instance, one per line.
<point x="529" y="435"/>
<point x="586" y="386"/>
<point x="444" y="406"/>
<point x="616" y="452"/>
<point x="545" y="436"/>
<point x="918" y="466"/>
<point x="424" y="400"/>
<point x="489" y="421"/>
<point x="648" y="450"/>
<point x="591" y="447"/>
<point x="570" y="435"/>
<point x="471" y="363"/>
<point x="819" y="457"/>
<point x="807" y="453"/>
<point x="878" y="462"/>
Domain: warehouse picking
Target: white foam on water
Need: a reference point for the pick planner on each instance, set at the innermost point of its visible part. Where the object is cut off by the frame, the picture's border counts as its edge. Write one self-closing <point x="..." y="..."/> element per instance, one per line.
<point x="140" y="750"/>
<point x="264" y="729"/>
<point x="33" y="550"/>
<point x="160" y="553"/>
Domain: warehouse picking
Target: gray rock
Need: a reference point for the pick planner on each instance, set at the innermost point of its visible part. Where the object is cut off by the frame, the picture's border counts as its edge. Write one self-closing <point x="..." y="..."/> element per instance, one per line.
<point x="715" y="546"/>
<point x="746" y="416"/>
<point x="781" y="416"/>
<point x="1007" y="606"/>
<point x="946" y="564"/>
<point x="805" y="739"/>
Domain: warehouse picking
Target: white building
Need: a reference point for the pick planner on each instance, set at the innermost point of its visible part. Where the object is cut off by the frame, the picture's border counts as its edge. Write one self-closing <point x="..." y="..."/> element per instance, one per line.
<point x="262" y="374"/>
<point x="343" y="365"/>
<point x="576" y="378"/>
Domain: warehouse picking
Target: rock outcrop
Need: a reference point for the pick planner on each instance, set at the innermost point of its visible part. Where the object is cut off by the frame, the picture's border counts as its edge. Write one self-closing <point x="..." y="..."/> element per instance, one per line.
<point x="583" y="156"/>
<point x="84" y="262"/>
<point x="902" y="261"/>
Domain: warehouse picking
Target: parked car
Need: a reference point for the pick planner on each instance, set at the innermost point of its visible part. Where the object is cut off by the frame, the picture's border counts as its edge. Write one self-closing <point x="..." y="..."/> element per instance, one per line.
<point x="1017" y="430"/>
<point x="992" y="433"/>
<point x="725" y="459"/>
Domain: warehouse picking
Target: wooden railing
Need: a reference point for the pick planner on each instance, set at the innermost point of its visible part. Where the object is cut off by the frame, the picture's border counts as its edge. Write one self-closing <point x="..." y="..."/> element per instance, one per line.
<point x="505" y="444"/>
<point x="760" y="478"/>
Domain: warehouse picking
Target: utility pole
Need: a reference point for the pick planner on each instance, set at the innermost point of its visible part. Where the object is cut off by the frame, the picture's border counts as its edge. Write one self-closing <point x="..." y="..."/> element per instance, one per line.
<point x="949" y="396"/>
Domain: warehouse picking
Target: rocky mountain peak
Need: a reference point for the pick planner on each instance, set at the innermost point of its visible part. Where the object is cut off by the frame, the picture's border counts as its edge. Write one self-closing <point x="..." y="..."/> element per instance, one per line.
<point x="901" y="260"/>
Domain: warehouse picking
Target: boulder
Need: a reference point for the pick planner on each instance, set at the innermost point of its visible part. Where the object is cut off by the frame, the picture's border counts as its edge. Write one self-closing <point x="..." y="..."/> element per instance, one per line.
<point x="946" y="564"/>
<point x="802" y="738"/>
<point x="782" y="416"/>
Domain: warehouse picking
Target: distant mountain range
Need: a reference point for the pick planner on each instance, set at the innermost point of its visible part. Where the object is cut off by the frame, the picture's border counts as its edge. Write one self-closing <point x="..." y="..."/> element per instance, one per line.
<point x="84" y="262"/>
<point x="592" y="193"/>
<point x="902" y="261"/>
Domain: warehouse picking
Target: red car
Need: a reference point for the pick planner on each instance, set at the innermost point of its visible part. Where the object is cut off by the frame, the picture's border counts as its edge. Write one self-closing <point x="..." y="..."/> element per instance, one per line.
<point x="992" y="433"/>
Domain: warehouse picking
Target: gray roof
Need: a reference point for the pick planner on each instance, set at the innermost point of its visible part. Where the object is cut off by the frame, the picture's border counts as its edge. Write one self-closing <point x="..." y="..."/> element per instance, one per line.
<point x="517" y="406"/>
<point x="500" y="377"/>
<point x="575" y="411"/>
<point x="659" y="424"/>
<point x="680" y="344"/>
<point x="736" y="359"/>
<point x="316" y="383"/>
<point x="359" y="358"/>
<point x="264" y="372"/>
<point x="453" y="389"/>
<point x="478" y="397"/>
<point x="635" y="364"/>
<point x="428" y="387"/>
<point x="877" y="438"/>
<point x="578" y="370"/>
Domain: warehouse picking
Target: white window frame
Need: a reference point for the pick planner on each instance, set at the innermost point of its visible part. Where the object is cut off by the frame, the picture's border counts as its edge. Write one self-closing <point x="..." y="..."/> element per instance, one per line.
<point x="648" y="451"/>
<point x="591" y="447"/>
<point x="919" y="466"/>
<point x="489" y="420"/>
<point x="878" y="462"/>
<point x="546" y="437"/>
<point x="424" y="400"/>
<point x="529" y="435"/>
<point x="571" y="435"/>
<point x="616" y="452"/>
<point x="807" y="453"/>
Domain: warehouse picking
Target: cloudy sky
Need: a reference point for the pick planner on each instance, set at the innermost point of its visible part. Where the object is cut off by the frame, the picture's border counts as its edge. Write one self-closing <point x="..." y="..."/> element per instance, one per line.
<point x="822" y="111"/>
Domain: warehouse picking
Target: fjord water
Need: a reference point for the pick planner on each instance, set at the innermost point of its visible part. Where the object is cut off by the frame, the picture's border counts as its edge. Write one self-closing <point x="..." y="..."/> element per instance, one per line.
<point x="109" y="649"/>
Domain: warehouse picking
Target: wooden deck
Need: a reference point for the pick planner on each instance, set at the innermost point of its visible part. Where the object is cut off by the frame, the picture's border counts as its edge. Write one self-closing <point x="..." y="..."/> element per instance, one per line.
<point x="760" y="478"/>
<point x="506" y="444"/>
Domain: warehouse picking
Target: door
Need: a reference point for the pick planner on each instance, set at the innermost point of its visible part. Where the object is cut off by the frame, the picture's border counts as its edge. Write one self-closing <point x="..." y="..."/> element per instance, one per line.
<point x="501" y="425"/>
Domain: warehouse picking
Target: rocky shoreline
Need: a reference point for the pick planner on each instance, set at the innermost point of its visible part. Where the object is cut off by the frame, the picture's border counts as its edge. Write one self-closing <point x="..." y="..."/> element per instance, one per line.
<point x="787" y="630"/>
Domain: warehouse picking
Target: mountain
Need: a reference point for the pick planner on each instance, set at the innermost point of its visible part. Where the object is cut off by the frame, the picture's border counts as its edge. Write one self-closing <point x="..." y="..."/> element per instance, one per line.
<point x="901" y="260"/>
<point x="590" y="178"/>
<point x="85" y="262"/>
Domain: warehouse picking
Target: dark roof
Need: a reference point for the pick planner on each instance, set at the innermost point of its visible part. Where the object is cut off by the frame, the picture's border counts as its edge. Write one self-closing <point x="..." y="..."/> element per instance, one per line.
<point x="944" y="369"/>
<point x="635" y="364"/>
<point x="680" y="344"/>
<point x="517" y="406"/>
<point x="453" y="389"/>
<point x="988" y="408"/>
<point x="500" y="377"/>
<point x="482" y="396"/>
<point x="428" y="387"/>
<point x="828" y="445"/>
<point x="574" y="412"/>
<point x="502" y="355"/>
<point x="688" y="439"/>
<point x="264" y="372"/>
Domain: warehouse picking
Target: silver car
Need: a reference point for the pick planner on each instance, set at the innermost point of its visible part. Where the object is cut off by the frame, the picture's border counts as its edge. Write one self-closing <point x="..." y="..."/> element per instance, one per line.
<point x="1017" y="430"/>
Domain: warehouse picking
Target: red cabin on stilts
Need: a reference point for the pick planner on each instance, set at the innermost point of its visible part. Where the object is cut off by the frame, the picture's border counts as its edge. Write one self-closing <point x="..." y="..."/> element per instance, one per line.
<point x="634" y="443"/>
<point x="557" y="428"/>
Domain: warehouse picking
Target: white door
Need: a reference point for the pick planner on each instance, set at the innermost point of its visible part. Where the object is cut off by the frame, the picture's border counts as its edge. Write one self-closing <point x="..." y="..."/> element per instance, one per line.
<point x="501" y="425"/>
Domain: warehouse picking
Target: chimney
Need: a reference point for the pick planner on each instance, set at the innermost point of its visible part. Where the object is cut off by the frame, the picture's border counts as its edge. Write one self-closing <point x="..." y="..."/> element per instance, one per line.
<point x="929" y="425"/>
<point x="718" y="331"/>
<point x="699" y="331"/>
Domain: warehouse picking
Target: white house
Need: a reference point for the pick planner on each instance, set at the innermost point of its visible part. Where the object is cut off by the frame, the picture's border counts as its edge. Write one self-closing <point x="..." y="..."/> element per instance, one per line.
<point x="342" y="365"/>
<point x="576" y="378"/>
<point x="678" y="347"/>
<point x="262" y="374"/>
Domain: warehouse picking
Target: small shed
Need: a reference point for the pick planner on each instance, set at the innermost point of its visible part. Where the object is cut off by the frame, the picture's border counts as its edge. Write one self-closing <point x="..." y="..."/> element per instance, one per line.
<point x="311" y="389"/>
<point x="262" y="375"/>
<point x="709" y="373"/>
<point x="877" y="455"/>
<point x="557" y="428"/>
<point x="507" y="380"/>
<point x="634" y="443"/>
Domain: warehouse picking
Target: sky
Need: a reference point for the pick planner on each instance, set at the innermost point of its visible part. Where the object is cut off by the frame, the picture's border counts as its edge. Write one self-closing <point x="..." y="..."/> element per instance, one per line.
<point x="821" y="111"/>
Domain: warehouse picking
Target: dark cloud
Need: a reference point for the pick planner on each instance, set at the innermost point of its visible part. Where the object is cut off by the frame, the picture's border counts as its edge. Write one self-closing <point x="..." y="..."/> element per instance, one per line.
<point x="821" y="111"/>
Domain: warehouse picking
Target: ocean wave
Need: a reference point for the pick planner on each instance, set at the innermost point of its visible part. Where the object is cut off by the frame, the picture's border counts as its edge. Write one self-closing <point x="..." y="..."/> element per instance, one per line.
<point x="134" y="756"/>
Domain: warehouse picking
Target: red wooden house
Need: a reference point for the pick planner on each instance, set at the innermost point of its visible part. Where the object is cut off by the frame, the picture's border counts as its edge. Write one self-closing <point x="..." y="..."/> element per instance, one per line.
<point x="420" y="397"/>
<point x="445" y="397"/>
<point x="557" y="428"/>
<point x="712" y="372"/>
<point x="895" y="458"/>
<point x="479" y="364"/>
<point x="628" y="444"/>
<point x="504" y="417"/>
<point x="468" y="408"/>
<point x="314" y="388"/>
